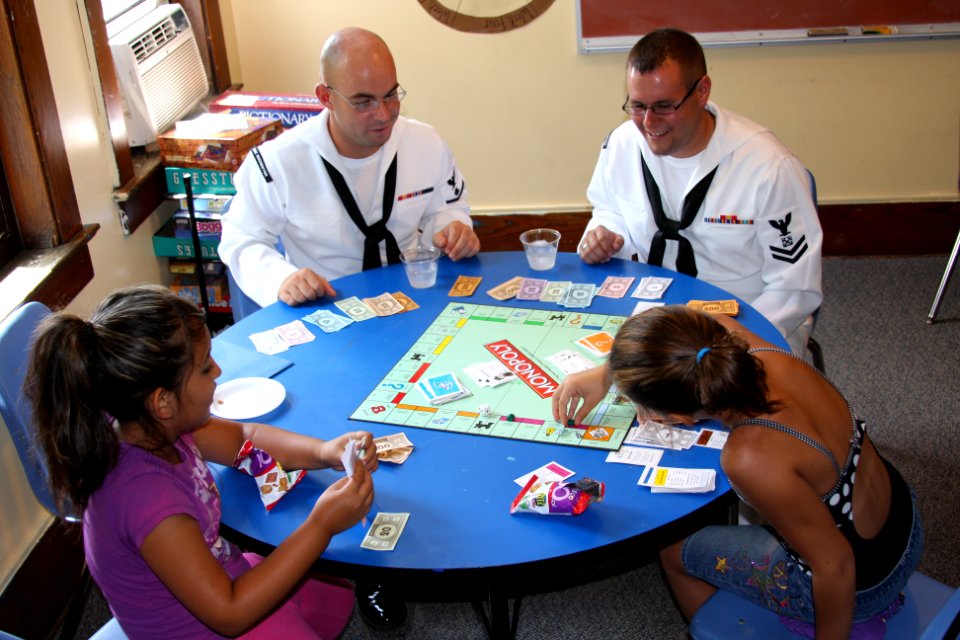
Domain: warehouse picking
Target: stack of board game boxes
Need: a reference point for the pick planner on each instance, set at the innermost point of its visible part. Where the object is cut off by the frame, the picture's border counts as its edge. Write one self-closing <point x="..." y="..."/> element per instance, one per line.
<point x="210" y="149"/>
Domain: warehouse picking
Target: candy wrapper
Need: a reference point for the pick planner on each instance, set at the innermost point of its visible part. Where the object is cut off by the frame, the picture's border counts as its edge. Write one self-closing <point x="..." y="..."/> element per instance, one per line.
<point x="558" y="498"/>
<point x="273" y="481"/>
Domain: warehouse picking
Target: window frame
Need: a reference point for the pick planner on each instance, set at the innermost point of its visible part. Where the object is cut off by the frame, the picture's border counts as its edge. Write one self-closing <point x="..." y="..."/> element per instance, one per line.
<point x="53" y="262"/>
<point x="142" y="186"/>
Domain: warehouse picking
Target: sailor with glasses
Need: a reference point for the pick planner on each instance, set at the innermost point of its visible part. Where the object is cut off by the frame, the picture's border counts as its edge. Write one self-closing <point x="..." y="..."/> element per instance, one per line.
<point x="347" y="190"/>
<point x="695" y="188"/>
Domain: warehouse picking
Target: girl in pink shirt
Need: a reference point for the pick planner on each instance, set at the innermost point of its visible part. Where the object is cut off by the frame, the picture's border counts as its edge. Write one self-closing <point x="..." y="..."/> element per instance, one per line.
<point x="122" y="408"/>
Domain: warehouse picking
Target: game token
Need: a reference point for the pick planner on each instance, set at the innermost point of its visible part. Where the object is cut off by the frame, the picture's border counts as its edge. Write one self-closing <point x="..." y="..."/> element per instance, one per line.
<point x="570" y="422"/>
<point x="511" y="417"/>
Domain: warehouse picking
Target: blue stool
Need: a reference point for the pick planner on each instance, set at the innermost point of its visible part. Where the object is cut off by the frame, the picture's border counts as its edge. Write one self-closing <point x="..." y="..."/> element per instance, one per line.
<point x="109" y="631"/>
<point x="929" y="611"/>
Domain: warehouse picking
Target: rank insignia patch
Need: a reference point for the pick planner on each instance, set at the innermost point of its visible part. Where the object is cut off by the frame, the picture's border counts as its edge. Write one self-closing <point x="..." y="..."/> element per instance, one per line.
<point x="791" y="249"/>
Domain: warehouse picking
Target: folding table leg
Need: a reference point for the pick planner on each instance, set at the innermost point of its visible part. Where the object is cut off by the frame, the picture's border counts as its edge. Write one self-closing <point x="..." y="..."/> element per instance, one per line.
<point x="501" y="625"/>
<point x="944" y="281"/>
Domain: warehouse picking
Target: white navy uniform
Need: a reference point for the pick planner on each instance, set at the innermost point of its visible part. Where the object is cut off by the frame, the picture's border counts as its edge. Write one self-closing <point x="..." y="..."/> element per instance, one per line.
<point x="299" y="205"/>
<point x="757" y="234"/>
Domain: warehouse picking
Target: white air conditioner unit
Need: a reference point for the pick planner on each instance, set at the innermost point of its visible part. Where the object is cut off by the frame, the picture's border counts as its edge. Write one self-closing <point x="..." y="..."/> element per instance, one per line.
<point x="160" y="72"/>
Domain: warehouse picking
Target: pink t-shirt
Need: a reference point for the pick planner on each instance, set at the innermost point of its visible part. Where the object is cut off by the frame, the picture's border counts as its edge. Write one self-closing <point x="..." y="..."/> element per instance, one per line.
<point x="138" y="495"/>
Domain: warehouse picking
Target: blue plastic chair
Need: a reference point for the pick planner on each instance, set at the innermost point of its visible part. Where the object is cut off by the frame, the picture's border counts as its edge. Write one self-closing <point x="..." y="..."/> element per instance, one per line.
<point x="15" y="339"/>
<point x="816" y="351"/>
<point x="16" y="333"/>
<point x="109" y="631"/>
<point x="241" y="304"/>
<point x="929" y="610"/>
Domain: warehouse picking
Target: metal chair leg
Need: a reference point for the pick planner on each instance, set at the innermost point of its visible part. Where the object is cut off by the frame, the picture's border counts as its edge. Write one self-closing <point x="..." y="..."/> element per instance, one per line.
<point x="944" y="281"/>
<point x="816" y="352"/>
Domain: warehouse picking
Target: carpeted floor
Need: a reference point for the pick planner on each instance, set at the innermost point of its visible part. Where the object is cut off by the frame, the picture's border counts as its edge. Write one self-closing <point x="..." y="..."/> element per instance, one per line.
<point x="898" y="372"/>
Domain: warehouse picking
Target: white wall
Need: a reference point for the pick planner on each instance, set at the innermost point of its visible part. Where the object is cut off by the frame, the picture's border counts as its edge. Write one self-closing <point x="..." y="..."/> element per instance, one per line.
<point x="525" y="113"/>
<point x="117" y="260"/>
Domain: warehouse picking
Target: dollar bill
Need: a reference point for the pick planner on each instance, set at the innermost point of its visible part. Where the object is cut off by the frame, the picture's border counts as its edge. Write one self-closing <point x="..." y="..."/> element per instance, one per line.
<point x="404" y="299"/>
<point x="385" y="531"/>
<point x="506" y="290"/>
<point x="395" y="448"/>
<point x="355" y="308"/>
<point x="465" y="286"/>
<point x="328" y="320"/>
<point x="384" y="304"/>
<point x="655" y="434"/>
<point x="724" y="307"/>
<point x="395" y="456"/>
<point x="531" y="288"/>
<point x="294" y="333"/>
<point x="268" y="342"/>
<point x="554" y="291"/>
<point x="579" y="295"/>
<point x="651" y="288"/>
<point x="615" y="286"/>
<point x="392" y="441"/>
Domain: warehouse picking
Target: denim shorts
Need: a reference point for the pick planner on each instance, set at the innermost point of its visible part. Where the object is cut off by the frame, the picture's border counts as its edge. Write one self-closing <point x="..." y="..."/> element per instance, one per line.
<point x="750" y="562"/>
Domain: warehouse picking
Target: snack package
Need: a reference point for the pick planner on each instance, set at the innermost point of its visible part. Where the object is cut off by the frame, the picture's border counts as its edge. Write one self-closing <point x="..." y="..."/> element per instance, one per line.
<point x="558" y="498"/>
<point x="273" y="481"/>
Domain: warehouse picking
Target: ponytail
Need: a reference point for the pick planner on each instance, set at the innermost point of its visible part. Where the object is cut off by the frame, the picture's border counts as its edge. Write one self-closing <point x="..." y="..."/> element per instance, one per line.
<point x="64" y="388"/>
<point x="86" y="377"/>
<point x="676" y="360"/>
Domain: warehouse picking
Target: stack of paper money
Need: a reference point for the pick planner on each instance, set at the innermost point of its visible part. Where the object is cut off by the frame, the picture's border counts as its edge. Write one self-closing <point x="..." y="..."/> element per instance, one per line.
<point x="328" y="320"/>
<point x="678" y="480"/>
<point x="578" y="295"/>
<point x="654" y="434"/>
<point x="531" y="288"/>
<point x="615" y="286"/>
<point x="395" y="448"/>
<point x="651" y="288"/>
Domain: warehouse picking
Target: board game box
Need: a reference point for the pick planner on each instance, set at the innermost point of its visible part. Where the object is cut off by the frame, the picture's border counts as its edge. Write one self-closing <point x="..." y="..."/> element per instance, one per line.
<point x="289" y="108"/>
<point x="220" y="150"/>
<point x="538" y="347"/>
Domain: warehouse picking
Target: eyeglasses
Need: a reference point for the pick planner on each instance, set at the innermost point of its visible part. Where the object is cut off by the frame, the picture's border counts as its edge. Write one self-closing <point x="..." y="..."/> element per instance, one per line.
<point x="368" y="105"/>
<point x="660" y="109"/>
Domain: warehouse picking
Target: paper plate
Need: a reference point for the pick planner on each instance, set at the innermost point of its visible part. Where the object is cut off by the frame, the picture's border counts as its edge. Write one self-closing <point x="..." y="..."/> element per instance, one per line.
<point x="245" y="398"/>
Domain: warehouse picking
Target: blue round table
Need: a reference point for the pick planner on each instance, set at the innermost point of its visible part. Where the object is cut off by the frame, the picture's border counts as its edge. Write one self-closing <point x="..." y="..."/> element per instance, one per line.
<point x="461" y="542"/>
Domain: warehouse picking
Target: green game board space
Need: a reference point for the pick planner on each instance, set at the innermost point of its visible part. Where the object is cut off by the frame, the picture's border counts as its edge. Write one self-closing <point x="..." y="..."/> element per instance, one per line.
<point x="456" y="339"/>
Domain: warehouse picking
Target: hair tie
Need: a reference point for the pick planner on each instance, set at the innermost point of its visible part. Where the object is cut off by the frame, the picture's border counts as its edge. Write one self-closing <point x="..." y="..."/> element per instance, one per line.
<point x="702" y="353"/>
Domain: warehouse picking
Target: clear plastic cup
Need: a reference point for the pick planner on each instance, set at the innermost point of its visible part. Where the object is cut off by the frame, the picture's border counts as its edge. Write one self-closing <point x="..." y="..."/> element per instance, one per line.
<point x="421" y="263"/>
<point x="540" y="246"/>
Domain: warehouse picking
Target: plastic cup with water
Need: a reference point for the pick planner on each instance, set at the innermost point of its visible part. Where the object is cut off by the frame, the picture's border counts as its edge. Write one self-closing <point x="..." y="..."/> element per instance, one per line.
<point x="540" y="246"/>
<point x="421" y="264"/>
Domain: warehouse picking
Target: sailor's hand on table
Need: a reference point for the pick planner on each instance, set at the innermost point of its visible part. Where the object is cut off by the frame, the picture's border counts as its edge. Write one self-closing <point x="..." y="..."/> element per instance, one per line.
<point x="303" y="286"/>
<point x="599" y="245"/>
<point x="457" y="240"/>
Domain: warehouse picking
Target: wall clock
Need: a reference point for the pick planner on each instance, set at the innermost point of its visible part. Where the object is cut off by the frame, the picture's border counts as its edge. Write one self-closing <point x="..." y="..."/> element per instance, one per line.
<point x="485" y="16"/>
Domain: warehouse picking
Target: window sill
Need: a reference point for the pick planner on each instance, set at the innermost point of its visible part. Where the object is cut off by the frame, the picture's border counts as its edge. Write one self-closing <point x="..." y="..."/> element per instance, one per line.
<point x="143" y="193"/>
<point x="51" y="276"/>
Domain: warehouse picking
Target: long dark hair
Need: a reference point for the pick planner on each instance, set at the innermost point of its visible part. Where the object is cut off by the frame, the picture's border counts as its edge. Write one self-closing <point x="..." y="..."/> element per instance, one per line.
<point x="677" y="360"/>
<point x="85" y="374"/>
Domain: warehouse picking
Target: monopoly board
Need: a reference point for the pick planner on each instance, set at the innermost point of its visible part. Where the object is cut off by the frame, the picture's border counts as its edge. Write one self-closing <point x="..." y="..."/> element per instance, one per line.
<point x="528" y="342"/>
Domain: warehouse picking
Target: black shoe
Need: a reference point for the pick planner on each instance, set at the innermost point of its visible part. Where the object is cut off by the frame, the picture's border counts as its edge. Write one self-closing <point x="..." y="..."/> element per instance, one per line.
<point x="378" y="607"/>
